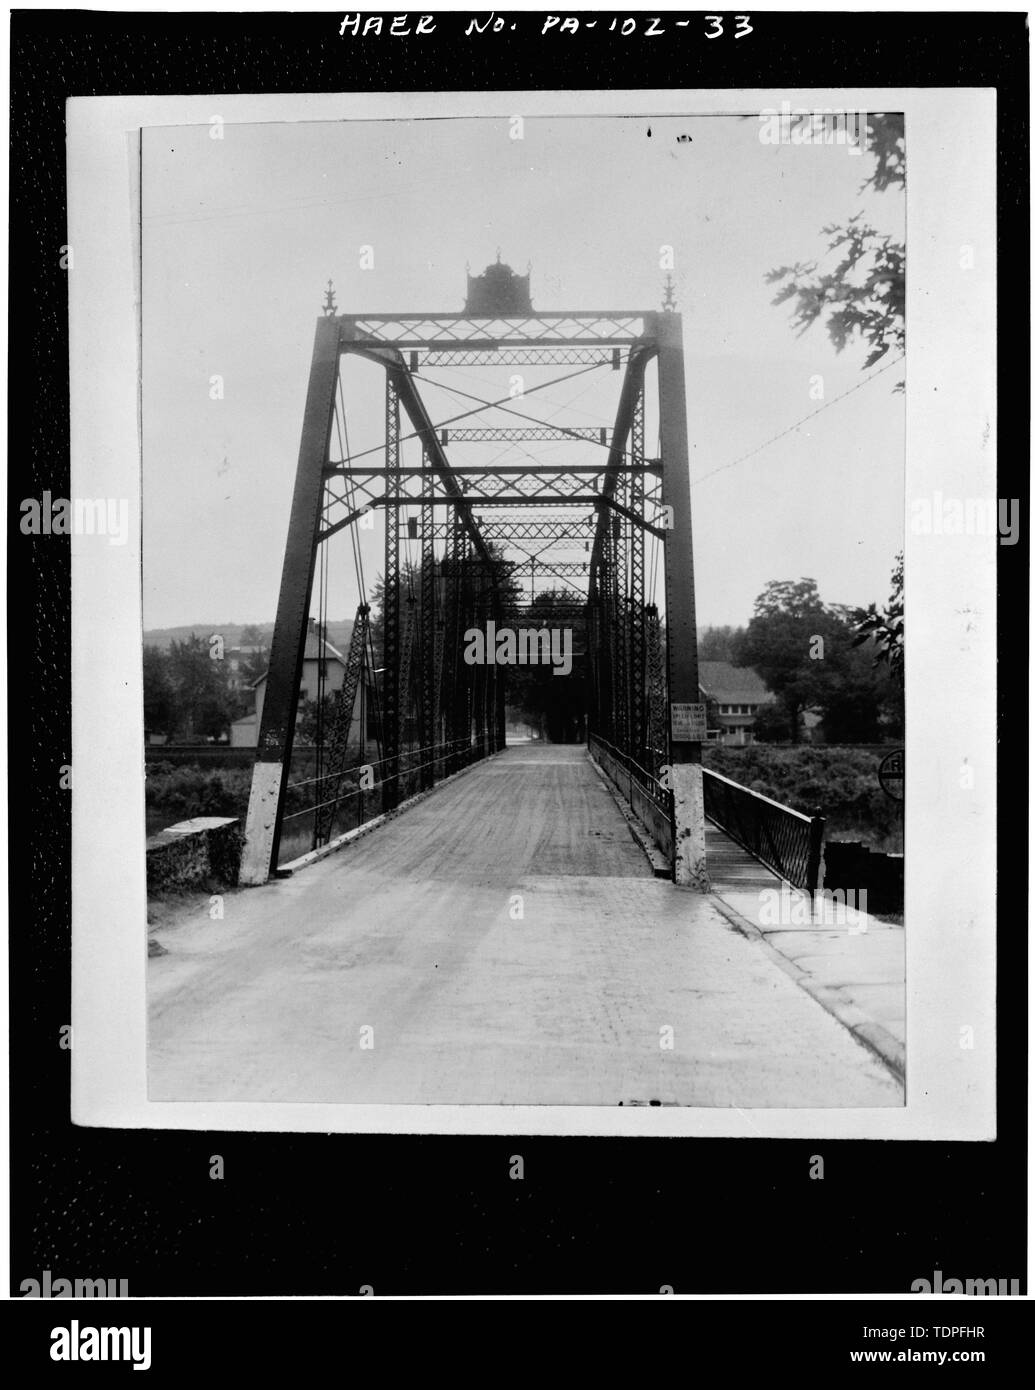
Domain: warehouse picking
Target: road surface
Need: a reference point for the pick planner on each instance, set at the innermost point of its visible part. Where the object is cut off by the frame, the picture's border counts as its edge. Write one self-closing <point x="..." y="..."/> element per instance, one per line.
<point x="501" y="942"/>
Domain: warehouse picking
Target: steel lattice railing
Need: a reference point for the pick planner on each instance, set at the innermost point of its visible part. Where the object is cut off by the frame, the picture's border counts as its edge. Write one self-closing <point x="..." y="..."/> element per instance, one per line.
<point x="784" y="840"/>
<point x="646" y="781"/>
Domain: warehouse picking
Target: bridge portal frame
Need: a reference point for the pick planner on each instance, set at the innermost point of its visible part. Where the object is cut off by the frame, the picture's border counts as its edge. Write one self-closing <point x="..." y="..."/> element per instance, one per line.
<point x="625" y="339"/>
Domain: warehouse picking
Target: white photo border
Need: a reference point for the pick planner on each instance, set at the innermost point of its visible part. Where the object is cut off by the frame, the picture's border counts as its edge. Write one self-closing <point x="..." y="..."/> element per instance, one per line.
<point x="950" y="673"/>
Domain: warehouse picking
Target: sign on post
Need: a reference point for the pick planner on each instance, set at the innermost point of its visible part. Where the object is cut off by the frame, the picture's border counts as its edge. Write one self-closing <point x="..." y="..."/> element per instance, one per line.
<point x="689" y="723"/>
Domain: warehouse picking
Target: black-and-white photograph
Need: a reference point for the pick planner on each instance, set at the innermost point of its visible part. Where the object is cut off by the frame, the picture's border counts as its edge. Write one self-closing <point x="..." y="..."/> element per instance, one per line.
<point x="523" y="645"/>
<point x="469" y="477"/>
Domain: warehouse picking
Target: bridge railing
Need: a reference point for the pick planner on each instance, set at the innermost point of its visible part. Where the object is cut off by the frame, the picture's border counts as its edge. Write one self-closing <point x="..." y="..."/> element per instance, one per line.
<point x="648" y="798"/>
<point x="346" y="799"/>
<point x="784" y="840"/>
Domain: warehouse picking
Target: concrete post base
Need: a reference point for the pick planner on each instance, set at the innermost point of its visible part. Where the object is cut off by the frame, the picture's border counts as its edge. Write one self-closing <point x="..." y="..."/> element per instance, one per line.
<point x="259" y="824"/>
<point x="689" y="867"/>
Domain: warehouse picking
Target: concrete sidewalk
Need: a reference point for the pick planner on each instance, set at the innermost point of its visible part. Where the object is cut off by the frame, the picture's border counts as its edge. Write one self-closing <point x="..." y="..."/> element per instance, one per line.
<point x="851" y="963"/>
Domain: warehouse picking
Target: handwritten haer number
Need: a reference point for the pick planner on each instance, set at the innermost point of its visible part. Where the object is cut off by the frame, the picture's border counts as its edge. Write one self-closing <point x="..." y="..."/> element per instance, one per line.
<point x="743" y="25"/>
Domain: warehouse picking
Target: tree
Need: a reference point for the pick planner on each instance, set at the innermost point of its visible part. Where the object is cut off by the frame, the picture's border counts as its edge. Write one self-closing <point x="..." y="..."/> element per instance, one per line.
<point x="446" y="591"/>
<point x="204" y="702"/>
<point x="851" y="702"/>
<point x="254" y="665"/>
<point x="159" y="696"/>
<point x="892" y="705"/>
<point x="445" y="588"/>
<point x="880" y="635"/>
<point x="409" y="585"/>
<point x="885" y="627"/>
<point x="771" y="723"/>
<point x="803" y="650"/>
<point x="719" y="643"/>
<point x="251" y="635"/>
<point x="788" y="617"/>
<point x="554" y="705"/>
<point x="312" y="720"/>
<point x="863" y="294"/>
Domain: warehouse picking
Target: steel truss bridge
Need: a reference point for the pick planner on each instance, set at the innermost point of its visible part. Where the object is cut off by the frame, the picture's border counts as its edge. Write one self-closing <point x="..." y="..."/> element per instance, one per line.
<point x="576" y="531"/>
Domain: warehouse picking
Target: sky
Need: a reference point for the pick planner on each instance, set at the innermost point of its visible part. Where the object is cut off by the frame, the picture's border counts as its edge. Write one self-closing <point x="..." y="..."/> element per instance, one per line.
<point x="240" y="235"/>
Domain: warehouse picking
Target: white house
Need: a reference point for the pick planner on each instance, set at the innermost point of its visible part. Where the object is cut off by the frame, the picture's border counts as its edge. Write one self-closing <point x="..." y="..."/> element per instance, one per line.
<point x="321" y="658"/>
<point x="739" y="693"/>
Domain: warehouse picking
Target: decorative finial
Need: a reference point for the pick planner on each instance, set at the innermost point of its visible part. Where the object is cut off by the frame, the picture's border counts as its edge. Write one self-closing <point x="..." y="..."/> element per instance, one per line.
<point x="329" y="306"/>
<point x="670" y="299"/>
<point x="497" y="291"/>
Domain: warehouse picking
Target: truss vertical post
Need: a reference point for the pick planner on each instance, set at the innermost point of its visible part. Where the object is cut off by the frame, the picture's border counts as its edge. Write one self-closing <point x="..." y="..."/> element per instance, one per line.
<point x="465" y="673"/>
<point x="689" y="867"/>
<point x="501" y="709"/>
<point x="392" y="714"/>
<point x="498" y="710"/>
<point x="428" y="634"/>
<point x="487" y="609"/>
<point x="453" y="660"/>
<point x="407" y="643"/>
<point x="479" y="681"/>
<point x="476" y="673"/>
<point x="657" y="716"/>
<point x="446" y="647"/>
<point x="637" y="615"/>
<point x="619" y="579"/>
<point x="483" y="675"/>
<point x="607" y="650"/>
<point x="442" y="612"/>
<point x="492" y="745"/>
<point x="593" y="661"/>
<point x="280" y="705"/>
<point x="600" y="697"/>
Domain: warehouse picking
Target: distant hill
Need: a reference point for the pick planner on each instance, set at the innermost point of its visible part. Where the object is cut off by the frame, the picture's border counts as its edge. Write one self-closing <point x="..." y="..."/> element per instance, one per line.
<point x="338" y="633"/>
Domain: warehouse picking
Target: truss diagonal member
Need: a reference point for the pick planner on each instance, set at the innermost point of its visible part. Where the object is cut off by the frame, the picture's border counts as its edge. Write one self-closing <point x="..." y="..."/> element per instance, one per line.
<point x="563" y="430"/>
<point x="410" y="399"/>
<point x="379" y="355"/>
<point x="632" y="386"/>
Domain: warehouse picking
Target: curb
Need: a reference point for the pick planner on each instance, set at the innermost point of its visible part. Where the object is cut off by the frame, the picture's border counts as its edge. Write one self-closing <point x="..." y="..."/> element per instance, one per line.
<point x="866" y="1031"/>
<point x="639" y="832"/>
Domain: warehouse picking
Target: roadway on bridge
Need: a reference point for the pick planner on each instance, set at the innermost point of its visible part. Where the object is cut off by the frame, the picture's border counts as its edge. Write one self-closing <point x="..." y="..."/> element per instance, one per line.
<point x="503" y="941"/>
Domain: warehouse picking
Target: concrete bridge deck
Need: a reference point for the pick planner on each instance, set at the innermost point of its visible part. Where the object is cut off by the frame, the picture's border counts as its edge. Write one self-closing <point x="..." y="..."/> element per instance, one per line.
<point x="505" y="942"/>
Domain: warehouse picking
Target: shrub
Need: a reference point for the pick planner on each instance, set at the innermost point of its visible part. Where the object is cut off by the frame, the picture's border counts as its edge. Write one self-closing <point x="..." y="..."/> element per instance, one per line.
<point x="181" y="793"/>
<point x="185" y="792"/>
<point x="842" y="782"/>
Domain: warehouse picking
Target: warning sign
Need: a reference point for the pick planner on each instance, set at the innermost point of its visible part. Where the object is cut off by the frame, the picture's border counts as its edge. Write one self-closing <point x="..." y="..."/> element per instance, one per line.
<point x="689" y="723"/>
